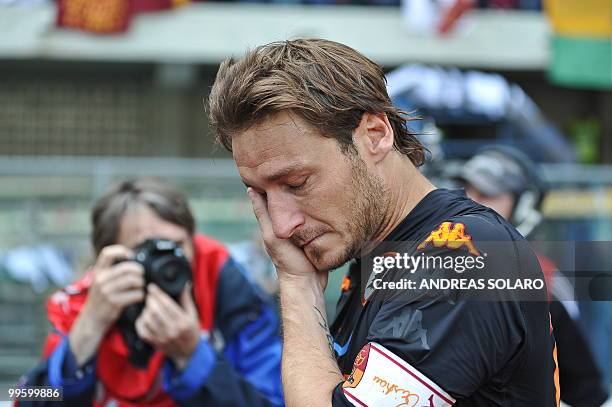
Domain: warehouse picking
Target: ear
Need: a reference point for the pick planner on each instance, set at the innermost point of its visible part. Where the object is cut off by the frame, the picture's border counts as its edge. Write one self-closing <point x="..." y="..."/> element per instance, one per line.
<point x="374" y="136"/>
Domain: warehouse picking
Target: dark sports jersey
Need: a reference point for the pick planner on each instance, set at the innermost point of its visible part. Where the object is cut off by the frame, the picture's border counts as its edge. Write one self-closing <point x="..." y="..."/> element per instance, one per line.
<point x="461" y="345"/>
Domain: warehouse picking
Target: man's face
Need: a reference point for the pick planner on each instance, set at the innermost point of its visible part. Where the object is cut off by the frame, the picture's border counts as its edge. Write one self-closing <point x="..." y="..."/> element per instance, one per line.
<point x="501" y="203"/>
<point x="321" y="199"/>
<point x="141" y="223"/>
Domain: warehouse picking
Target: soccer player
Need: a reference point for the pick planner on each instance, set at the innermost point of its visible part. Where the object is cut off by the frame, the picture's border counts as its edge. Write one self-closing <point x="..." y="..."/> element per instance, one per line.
<point x="332" y="172"/>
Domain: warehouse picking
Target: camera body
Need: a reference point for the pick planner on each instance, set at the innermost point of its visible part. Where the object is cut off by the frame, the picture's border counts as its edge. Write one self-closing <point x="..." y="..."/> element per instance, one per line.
<point x="166" y="266"/>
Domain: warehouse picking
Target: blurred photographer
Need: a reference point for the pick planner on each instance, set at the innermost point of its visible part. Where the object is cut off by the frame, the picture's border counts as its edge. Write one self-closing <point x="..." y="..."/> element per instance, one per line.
<point x="213" y="342"/>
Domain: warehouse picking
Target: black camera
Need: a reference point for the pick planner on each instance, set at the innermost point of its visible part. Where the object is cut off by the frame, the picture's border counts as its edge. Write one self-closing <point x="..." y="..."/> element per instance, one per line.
<point x="166" y="266"/>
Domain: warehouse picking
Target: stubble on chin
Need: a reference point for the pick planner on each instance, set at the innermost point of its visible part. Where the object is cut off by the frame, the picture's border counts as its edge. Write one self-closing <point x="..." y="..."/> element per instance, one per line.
<point x="365" y="215"/>
<point x="317" y="258"/>
<point x="370" y="207"/>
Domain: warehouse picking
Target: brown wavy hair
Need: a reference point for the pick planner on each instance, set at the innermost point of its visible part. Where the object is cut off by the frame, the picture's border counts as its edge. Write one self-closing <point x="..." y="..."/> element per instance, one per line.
<point x="327" y="84"/>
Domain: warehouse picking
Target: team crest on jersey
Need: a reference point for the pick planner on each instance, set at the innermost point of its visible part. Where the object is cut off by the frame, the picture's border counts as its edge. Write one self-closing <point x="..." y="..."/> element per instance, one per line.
<point x="452" y="236"/>
<point x="382" y="379"/>
<point x="359" y="366"/>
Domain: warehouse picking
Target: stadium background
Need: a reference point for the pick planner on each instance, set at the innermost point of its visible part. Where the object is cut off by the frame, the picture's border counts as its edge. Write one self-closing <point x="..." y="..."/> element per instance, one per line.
<point x="85" y="100"/>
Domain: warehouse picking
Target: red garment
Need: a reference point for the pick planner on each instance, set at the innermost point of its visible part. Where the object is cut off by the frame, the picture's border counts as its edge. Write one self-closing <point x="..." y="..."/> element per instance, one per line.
<point x="124" y="383"/>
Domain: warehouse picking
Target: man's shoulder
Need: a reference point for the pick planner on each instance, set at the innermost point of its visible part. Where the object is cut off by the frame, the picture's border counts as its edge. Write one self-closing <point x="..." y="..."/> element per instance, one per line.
<point x="468" y="232"/>
<point x="487" y="226"/>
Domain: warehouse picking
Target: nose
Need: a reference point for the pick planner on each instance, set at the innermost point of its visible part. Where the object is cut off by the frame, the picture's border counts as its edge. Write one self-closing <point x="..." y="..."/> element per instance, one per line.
<point x="285" y="215"/>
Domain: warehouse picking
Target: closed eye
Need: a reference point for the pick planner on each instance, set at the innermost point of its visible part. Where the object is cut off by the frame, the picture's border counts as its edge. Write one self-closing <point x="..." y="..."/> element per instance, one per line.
<point x="297" y="186"/>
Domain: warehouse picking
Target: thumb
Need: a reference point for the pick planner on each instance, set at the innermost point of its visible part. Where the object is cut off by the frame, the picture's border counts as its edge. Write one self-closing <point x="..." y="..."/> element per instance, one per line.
<point x="323" y="279"/>
<point x="187" y="300"/>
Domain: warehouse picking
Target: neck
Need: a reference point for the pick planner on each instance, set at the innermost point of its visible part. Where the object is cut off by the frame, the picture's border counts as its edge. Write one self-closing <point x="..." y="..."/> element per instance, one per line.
<point x="405" y="192"/>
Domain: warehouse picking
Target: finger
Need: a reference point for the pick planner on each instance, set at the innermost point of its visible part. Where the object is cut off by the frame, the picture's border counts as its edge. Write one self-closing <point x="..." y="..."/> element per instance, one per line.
<point x="123" y="299"/>
<point x="155" y="325"/>
<point x="159" y="314"/>
<point x="125" y="282"/>
<point x="169" y="306"/>
<point x="187" y="301"/>
<point x="111" y="254"/>
<point x="323" y="278"/>
<point x="121" y="269"/>
<point x="261" y="213"/>
<point x="127" y="267"/>
<point x="143" y="331"/>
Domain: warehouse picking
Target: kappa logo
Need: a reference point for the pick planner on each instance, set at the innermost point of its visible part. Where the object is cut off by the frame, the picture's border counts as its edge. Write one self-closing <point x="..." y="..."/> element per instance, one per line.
<point x="452" y="236"/>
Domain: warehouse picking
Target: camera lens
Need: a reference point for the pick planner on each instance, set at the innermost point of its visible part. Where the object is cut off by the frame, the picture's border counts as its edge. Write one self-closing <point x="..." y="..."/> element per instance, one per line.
<point x="171" y="272"/>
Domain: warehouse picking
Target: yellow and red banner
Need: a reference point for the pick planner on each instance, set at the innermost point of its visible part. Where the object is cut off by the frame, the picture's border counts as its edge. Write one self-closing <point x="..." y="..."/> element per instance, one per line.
<point x="107" y="16"/>
<point x="581" y="46"/>
<point x="580" y="18"/>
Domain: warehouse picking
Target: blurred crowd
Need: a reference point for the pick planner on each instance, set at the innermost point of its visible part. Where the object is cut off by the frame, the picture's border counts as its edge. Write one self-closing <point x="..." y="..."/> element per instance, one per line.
<point x="160" y="4"/>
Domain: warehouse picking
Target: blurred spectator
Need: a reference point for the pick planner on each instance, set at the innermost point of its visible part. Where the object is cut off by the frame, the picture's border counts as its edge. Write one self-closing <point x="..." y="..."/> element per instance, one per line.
<point x="218" y="347"/>
<point x="39" y="265"/>
<point x="505" y="180"/>
<point x="443" y="16"/>
<point x="434" y="16"/>
<point x="476" y="108"/>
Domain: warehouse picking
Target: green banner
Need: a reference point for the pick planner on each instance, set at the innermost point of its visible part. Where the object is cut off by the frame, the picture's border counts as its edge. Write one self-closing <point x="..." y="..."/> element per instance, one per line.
<point x="581" y="62"/>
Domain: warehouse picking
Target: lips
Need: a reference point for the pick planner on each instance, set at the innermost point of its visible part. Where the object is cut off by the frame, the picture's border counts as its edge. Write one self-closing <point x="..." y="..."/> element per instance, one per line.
<point x="307" y="242"/>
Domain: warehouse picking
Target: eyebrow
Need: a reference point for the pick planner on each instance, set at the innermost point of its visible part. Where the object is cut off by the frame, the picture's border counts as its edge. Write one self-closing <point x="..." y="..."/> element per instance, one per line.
<point x="285" y="171"/>
<point x="281" y="173"/>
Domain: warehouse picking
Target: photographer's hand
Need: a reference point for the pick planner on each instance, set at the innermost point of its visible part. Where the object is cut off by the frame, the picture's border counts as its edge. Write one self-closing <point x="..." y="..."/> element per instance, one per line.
<point x="171" y="328"/>
<point x="113" y="287"/>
